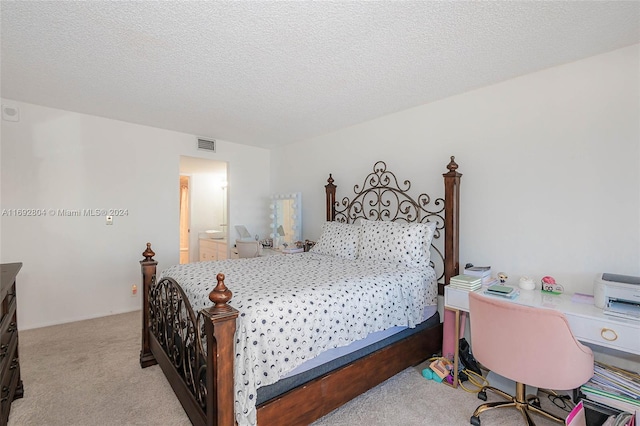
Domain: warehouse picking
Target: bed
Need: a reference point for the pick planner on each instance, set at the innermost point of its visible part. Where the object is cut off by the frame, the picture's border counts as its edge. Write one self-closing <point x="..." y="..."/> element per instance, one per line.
<point x="288" y="348"/>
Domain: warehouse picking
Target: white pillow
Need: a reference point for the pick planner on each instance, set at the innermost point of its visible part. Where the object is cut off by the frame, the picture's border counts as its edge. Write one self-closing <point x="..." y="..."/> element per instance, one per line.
<point x="406" y="244"/>
<point x="338" y="240"/>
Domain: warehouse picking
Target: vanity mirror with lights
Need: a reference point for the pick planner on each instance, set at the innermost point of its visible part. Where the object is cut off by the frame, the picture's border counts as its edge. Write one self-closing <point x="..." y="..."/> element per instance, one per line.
<point x="286" y="219"/>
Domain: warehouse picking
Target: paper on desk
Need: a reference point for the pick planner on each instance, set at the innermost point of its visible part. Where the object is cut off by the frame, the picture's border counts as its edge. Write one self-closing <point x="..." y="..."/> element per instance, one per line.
<point x="587" y="299"/>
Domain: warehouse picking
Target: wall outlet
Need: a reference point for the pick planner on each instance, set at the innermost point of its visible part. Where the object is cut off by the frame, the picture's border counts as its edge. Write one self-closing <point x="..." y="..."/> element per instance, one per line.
<point x="134" y="290"/>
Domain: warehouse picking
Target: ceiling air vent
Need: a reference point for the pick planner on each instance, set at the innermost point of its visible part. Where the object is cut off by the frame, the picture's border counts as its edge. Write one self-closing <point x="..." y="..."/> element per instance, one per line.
<point x="209" y="145"/>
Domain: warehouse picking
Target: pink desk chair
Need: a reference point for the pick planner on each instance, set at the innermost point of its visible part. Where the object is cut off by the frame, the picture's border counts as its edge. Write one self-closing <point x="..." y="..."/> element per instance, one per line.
<point x="531" y="346"/>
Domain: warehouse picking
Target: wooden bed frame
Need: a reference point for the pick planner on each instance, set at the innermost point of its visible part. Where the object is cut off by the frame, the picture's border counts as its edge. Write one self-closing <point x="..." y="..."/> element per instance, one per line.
<point x="174" y="336"/>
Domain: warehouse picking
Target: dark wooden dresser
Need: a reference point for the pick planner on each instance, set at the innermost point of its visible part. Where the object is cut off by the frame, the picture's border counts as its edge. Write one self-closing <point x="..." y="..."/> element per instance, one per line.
<point x="10" y="383"/>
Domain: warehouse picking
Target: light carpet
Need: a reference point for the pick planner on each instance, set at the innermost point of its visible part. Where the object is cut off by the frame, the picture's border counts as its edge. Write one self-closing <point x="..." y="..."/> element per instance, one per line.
<point x="88" y="373"/>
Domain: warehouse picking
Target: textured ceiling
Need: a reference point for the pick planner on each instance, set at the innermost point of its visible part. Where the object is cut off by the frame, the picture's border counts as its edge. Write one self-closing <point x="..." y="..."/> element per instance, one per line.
<point x="268" y="73"/>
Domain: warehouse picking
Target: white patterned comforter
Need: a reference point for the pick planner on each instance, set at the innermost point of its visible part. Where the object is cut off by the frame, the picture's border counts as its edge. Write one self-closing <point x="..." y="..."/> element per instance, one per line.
<point x="293" y="307"/>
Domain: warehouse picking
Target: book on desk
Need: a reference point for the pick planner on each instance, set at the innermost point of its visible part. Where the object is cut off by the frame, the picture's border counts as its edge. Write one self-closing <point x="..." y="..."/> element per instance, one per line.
<point x="466" y="282"/>
<point x="484" y="272"/>
<point x="502" y="291"/>
<point x="291" y="250"/>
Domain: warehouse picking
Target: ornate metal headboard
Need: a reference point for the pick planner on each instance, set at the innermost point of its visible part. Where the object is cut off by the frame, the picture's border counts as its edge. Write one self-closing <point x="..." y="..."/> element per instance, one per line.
<point x="383" y="197"/>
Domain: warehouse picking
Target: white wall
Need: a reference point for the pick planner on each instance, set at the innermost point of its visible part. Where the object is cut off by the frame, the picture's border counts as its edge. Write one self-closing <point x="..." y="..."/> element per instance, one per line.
<point x="78" y="267"/>
<point x="550" y="160"/>
<point x="551" y="184"/>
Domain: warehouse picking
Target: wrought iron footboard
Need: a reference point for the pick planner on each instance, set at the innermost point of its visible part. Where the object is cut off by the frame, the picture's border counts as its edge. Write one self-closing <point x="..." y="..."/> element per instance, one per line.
<point x="181" y="334"/>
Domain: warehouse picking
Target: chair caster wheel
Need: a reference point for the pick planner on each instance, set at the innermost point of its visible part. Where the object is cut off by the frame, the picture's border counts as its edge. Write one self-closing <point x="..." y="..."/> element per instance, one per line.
<point x="483" y="396"/>
<point x="475" y="420"/>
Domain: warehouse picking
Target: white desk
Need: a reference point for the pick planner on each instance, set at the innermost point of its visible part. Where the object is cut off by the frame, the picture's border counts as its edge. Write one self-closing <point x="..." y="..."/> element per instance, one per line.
<point x="272" y="251"/>
<point x="587" y="322"/>
<point x="269" y="252"/>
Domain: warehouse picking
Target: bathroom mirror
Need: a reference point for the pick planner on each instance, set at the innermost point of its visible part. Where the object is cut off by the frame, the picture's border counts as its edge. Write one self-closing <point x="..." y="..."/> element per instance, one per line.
<point x="286" y="219"/>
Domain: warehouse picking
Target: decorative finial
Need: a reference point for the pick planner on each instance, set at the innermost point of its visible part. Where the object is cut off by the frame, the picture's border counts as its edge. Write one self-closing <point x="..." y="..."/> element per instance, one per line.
<point x="452" y="166"/>
<point x="220" y="295"/>
<point x="148" y="253"/>
<point x="330" y="180"/>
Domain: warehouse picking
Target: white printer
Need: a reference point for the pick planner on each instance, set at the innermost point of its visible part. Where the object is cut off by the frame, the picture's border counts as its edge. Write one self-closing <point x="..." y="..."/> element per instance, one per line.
<point x="618" y="295"/>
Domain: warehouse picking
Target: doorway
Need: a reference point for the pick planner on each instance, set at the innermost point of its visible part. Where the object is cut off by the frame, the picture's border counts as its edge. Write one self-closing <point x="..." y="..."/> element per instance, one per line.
<point x="205" y="208"/>
<point x="184" y="219"/>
